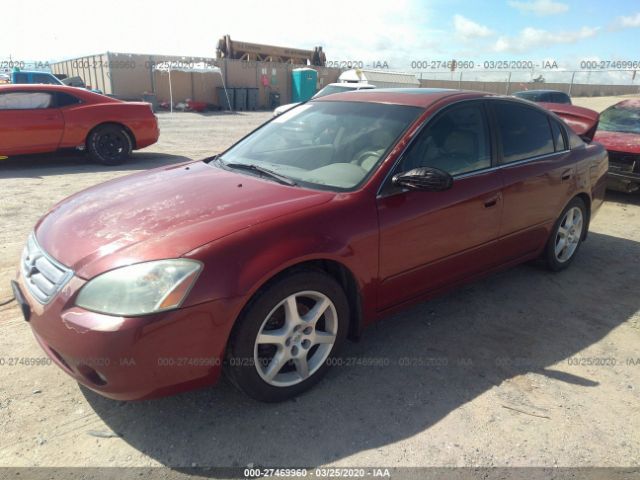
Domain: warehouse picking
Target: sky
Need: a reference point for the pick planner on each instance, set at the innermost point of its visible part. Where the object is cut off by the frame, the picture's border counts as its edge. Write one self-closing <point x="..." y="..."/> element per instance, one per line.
<point x="391" y="33"/>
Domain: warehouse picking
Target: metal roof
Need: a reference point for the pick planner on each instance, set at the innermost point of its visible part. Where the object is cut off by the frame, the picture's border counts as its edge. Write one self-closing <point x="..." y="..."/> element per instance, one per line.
<point x="380" y="76"/>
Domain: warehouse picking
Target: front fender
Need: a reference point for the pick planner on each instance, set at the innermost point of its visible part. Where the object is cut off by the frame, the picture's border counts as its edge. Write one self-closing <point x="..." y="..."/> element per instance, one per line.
<point x="236" y="266"/>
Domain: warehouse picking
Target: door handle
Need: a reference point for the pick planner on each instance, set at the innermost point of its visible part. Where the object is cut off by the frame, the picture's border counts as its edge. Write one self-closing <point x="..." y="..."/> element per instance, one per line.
<point x="492" y="202"/>
<point x="566" y="175"/>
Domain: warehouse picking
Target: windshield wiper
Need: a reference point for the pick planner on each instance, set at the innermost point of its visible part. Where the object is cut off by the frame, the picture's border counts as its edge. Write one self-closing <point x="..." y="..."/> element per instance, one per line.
<point x="255" y="168"/>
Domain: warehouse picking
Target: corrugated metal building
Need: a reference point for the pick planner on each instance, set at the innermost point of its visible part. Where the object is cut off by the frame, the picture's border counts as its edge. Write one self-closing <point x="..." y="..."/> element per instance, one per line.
<point x="130" y="76"/>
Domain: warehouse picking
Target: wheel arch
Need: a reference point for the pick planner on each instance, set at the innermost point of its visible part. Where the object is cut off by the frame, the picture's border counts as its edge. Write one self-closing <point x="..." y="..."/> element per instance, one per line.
<point x="335" y="269"/>
<point x="586" y="199"/>
<point x="128" y="130"/>
<point x="587" y="203"/>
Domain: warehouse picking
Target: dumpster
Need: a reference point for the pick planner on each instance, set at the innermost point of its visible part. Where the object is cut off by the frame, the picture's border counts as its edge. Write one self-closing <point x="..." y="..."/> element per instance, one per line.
<point x="152" y="99"/>
<point x="303" y="84"/>
<point x="222" y="98"/>
<point x="274" y="100"/>
<point x="252" y="98"/>
<point x="240" y="101"/>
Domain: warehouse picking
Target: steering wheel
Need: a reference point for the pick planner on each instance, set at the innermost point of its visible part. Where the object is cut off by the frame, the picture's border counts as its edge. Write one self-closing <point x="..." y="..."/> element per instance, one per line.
<point x="362" y="156"/>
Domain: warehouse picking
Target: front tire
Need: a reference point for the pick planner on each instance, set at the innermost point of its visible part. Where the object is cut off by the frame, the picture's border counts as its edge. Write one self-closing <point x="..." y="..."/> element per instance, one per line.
<point x="566" y="236"/>
<point x="110" y="144"/>
<point x="285" y="340"/>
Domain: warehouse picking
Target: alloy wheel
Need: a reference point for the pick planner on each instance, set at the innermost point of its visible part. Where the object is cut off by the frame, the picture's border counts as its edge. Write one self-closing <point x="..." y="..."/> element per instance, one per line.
<point x="111" y="145"/>
<point x="569" y="234"/>
<point x="296" y="338"/>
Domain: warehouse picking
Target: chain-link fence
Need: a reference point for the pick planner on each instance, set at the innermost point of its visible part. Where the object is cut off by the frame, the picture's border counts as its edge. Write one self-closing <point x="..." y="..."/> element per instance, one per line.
<point x="574" y="82"/>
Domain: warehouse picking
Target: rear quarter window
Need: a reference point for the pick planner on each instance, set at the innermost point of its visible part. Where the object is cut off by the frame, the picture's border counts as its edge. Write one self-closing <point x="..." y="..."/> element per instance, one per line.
<point x="65" y="99"/>
<point x="574" y="139"/>
<point x="558" y="136"/>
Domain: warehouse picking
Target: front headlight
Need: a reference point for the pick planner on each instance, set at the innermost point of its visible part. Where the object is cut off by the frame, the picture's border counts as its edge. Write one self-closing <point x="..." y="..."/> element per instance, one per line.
<point x="140" y="289"/>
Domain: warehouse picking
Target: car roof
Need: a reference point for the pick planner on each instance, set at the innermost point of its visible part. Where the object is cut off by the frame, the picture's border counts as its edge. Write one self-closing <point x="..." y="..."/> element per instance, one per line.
<point x="579" y="119"/>
<point x="350" y="85"/>
<point x="36" y="87"/>
<point x="414" y="97"/>
<point x="540" y="91"/>
<point x="629" y="103"/>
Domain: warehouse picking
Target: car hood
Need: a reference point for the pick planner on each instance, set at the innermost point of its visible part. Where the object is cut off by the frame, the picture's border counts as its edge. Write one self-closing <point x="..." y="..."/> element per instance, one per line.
<point x="582" y="121"/>
<point x="162" y="213"/>
<point x="619" y="141"/>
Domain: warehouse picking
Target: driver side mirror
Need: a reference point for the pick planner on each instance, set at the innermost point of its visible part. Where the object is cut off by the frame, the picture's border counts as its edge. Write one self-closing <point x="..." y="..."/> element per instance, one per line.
<point x="427" y="179"/>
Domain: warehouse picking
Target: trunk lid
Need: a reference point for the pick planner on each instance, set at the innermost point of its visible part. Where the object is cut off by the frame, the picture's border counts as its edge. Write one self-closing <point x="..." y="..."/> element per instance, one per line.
<point x="583" y="121"/>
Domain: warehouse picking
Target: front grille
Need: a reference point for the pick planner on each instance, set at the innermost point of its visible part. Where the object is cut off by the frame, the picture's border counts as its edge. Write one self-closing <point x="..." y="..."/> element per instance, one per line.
<point x="43" y="276"/>
<point x="621" y="162"/>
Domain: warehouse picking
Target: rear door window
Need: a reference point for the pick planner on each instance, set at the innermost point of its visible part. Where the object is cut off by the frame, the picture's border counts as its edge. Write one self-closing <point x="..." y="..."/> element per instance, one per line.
<point x="524" y="132"/>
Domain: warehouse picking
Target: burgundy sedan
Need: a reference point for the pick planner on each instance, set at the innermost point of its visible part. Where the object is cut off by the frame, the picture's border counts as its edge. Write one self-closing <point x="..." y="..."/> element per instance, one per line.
<point x="261" y="261"/>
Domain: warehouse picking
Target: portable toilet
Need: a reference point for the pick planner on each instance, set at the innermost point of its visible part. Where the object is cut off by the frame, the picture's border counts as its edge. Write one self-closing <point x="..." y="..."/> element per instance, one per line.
<point x="303" y="84"/>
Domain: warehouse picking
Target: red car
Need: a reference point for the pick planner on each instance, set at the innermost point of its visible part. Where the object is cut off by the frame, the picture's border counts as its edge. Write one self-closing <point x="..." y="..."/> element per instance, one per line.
<point x="619" y="132"/>
<point x="46" y="118"/>
<point x="265" y="258"/>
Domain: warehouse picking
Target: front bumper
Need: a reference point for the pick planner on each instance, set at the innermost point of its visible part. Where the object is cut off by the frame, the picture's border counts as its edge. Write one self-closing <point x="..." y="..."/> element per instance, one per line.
<point x="129" y="358"/>
<point x="627" y="182"/>
<point x="624" y="172"/>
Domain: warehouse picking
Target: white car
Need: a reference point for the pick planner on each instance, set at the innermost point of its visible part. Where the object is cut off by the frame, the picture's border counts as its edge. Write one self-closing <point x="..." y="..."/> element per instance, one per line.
<point x="328" y="90"/>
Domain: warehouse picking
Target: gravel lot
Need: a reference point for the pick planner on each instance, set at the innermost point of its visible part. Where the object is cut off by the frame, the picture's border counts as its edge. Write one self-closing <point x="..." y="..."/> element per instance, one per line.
<point x="506" y="370"/>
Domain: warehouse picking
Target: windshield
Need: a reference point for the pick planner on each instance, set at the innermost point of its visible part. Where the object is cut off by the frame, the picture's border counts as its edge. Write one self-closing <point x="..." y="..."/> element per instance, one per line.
<point x="331" y="89"/>
<point x="620" y="119"/>
<point x="331" y="144"/>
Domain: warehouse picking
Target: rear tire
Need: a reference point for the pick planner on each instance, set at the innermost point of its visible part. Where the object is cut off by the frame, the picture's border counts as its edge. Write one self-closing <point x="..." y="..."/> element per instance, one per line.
<point x="287" y="337"/>
<point x="109" y="144"/>
<point x="566" y="236"/>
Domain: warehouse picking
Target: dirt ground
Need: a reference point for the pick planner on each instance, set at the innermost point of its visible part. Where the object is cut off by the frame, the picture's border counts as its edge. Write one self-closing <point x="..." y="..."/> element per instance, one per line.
<point x="524" y="368"/>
